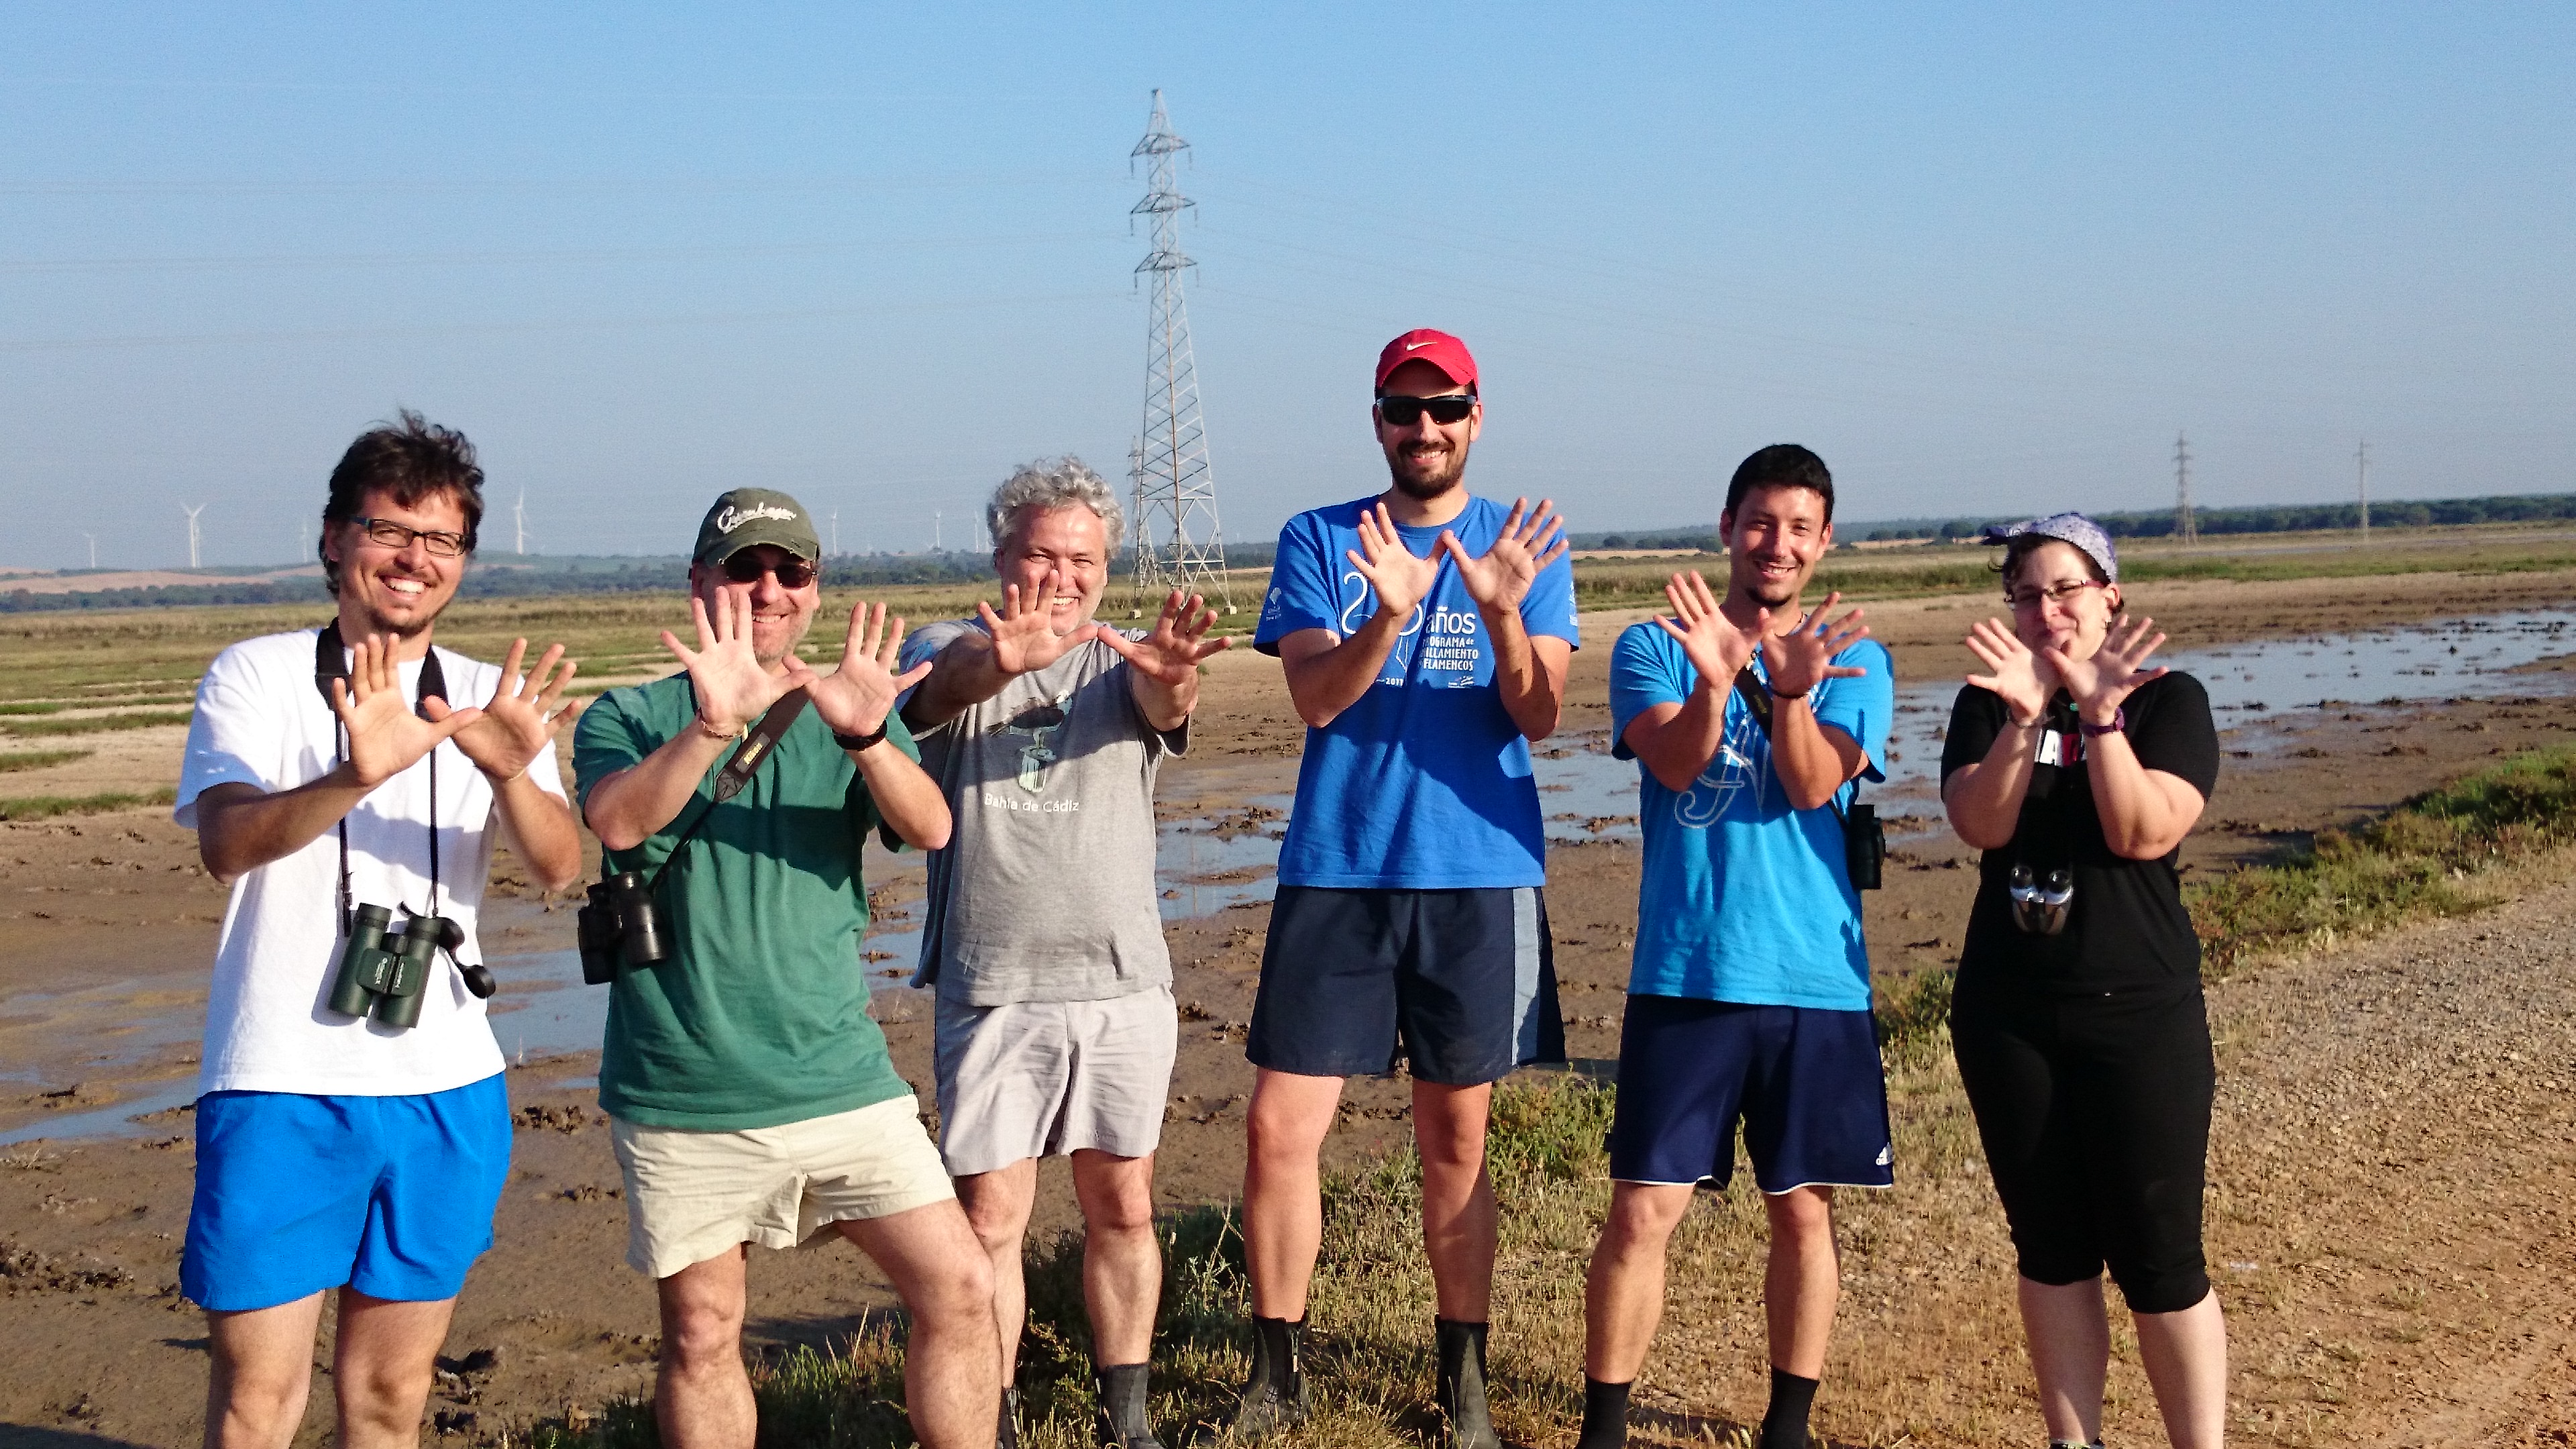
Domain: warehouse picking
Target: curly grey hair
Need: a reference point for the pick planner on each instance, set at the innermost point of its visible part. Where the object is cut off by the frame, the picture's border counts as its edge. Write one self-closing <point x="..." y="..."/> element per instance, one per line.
<point x="1048" y="484"/>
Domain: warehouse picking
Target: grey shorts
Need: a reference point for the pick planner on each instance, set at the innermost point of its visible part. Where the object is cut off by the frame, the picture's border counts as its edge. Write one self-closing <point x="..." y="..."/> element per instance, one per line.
<point x="1044" y="1078"/>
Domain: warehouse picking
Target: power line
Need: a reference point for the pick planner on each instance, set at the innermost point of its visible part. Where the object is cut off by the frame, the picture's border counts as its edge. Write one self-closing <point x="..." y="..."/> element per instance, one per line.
<point x="1175" y="489"/>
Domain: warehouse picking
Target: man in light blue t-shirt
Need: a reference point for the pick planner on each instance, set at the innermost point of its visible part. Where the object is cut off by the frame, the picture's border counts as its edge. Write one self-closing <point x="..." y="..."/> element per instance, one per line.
<point x="1426" y="634"/>
<point x="1749" y="995"/>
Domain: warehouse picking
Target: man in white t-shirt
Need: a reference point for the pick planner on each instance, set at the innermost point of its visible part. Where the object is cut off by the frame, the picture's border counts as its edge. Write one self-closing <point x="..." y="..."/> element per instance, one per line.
<point x="353" y="1131"/>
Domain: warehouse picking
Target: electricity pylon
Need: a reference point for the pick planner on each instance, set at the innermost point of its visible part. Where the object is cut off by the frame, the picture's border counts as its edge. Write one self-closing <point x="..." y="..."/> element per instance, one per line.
<point x="2185" y="528"/>
<point x="1178" y="541"/>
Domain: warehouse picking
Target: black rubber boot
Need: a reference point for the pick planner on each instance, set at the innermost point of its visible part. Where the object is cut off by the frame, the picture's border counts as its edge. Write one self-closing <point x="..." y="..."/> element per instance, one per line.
<point x="1274" y="1398"/>
<point x="1462" y="1385"/>
<point x="1006" y="1429"/>
<point x="1120" y="1389"/>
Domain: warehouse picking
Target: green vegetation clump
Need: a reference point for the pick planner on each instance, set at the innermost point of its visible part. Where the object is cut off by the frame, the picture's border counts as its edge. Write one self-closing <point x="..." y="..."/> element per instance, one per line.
<point x="96" y="724"/>
<point x="11" y="764"/>
<point x="46" y="807"/>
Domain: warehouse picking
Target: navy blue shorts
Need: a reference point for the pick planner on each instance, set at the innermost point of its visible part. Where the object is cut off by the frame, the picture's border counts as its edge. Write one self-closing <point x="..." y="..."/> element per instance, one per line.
<point x="392" y="1196"/>
<point x="1460" y="984"/>
<point x="1806" y="1083"/>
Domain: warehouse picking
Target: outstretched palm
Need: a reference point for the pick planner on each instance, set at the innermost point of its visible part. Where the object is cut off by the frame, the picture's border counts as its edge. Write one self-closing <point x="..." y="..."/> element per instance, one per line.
<point x="1798" y="660"/>
<point x="2115" y="671"/>
<point x="1172" y="653"/>
<point x="855" y="698"/>
<point x="732" y="686"/>
<point x="1715" y="645"/>
<point x="1502" y="577"/>
<point x="1401" y="580"/>
<point x="521" y="716"/>
<point x="1023" y="634"/>
<point x="385" y="736"/>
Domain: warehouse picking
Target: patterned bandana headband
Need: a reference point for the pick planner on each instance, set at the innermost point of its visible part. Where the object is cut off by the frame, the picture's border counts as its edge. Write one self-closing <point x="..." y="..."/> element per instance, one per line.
<point x="2072" y="528"/>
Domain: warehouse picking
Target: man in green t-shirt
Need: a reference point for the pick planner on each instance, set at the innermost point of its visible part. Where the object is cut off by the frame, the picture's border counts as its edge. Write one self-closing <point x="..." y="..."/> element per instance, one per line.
<point x="750" y="1091"/>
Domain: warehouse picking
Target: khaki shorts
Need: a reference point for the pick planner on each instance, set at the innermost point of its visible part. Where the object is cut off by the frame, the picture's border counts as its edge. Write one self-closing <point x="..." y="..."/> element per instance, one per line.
<point x="1045" y="1078"/>
<point x="693" y="1195"/>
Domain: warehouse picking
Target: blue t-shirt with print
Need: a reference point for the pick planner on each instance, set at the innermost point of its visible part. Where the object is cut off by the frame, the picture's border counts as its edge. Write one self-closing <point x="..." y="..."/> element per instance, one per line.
<point x="1744" y="899"/>
<point x="1424" y="783"/>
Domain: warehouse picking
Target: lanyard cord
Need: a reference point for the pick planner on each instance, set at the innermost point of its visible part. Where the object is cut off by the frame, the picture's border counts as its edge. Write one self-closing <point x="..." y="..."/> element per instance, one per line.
<point x="330" y="661"/>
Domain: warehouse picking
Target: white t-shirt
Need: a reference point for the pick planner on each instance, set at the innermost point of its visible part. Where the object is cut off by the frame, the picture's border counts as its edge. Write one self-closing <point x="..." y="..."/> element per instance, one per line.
<point x="269" y="1027"/>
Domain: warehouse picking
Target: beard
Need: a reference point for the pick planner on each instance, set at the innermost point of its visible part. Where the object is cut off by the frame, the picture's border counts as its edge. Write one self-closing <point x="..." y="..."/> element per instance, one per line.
<point x="1427" y="479"/>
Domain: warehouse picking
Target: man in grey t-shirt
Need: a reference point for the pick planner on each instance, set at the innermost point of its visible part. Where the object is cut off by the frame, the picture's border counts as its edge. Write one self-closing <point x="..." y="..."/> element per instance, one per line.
<point x="1056" y="1028"/>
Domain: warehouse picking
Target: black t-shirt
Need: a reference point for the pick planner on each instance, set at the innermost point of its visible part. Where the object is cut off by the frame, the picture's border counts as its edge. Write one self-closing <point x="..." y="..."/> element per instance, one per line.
<point x="2126" y="930"/>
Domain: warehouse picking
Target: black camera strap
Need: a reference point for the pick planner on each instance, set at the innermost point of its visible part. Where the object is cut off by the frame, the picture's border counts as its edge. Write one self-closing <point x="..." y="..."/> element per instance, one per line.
<point x="330" y="662"/>
<point x="1757" y="701"/>
<point x="737" y="772"/>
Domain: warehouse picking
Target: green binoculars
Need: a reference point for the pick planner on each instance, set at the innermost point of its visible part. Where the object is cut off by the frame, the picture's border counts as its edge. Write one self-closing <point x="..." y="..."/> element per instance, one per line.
<point x="382" y="972"/>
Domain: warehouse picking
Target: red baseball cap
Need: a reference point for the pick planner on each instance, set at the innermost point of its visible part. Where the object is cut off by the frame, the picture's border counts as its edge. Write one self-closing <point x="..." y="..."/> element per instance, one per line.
<point x="1425" y="345"/>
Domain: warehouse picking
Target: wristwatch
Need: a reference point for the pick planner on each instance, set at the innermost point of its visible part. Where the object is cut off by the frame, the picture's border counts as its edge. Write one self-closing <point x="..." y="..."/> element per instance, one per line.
<point x="2119" y="722"/>
<point x="861" y="742"/>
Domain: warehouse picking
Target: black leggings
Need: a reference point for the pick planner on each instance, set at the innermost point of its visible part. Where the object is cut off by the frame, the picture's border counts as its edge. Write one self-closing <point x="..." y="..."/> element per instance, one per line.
<point x="2095" y="1115"/>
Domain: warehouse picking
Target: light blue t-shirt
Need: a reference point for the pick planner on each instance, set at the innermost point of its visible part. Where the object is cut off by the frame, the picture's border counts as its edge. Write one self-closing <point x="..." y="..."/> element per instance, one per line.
<point x="1744" y="899"/>
<point x="1424" y="783"/>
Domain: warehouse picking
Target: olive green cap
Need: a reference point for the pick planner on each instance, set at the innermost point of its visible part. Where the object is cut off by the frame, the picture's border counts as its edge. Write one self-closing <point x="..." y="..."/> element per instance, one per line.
<point x="746" y="517"/>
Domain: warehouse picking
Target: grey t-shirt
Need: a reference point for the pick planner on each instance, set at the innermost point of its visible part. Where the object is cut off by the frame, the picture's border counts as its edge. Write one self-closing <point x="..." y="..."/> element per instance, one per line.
<point x="1045" y="891"/>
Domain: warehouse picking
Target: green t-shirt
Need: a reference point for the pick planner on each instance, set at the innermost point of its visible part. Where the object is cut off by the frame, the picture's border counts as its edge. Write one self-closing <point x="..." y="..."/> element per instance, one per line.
<point x="759" y="1014"/>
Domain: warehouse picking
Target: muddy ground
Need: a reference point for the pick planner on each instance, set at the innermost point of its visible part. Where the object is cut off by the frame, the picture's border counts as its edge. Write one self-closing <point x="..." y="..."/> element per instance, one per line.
<point x="106" y="920"/>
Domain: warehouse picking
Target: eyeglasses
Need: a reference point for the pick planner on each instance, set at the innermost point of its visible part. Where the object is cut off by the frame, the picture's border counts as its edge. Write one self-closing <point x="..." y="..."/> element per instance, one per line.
<point x="746" y="568"/>
<point x="398" y="536"/>
<point x="1399" y="411"/>
<point x="2025" y="600"/>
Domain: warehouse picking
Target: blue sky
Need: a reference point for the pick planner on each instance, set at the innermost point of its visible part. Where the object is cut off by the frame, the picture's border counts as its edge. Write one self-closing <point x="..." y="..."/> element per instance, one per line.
<point x="1983" y="258"/>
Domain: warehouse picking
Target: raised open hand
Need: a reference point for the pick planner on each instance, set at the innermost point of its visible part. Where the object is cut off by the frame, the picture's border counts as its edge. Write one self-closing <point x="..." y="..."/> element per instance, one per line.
<point x="732" y="687"/>
<point x="385" y="736"/>
<point x="1716" y="647"/>
<point x="2022" y="680"/>
<point x="2100" y="684"/>
<point x="1798" y="660"/>
<point x="855" y="698"/>
<point x="1401" y="580"/>
<point x="1023" y="634"/>
<point x="1531" y="540"/>
<point x="1172" y="653"/>
<point x="520" y="717"/>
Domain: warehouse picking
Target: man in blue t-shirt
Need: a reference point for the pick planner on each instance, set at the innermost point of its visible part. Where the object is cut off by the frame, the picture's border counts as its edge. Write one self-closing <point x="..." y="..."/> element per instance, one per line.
<point x="1749" y="996"/>
<point x="1425" y="633"/>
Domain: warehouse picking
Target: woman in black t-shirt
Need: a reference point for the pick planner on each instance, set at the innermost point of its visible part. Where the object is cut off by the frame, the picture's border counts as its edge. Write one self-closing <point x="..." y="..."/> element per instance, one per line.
<point x="2077" y="1019"/>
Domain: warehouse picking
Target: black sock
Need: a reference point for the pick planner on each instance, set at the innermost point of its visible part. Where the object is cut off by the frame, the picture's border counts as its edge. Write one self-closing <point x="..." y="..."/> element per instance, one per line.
<point x="1281" y="1349"/>
<point x="1605" y="1415"/>
<point x="1784" y="1424"/>
<point x="1122" y="1402"/>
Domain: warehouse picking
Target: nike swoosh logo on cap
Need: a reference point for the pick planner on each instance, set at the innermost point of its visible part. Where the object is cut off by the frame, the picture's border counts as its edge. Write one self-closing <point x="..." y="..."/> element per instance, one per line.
<point x="1410" y="346"/>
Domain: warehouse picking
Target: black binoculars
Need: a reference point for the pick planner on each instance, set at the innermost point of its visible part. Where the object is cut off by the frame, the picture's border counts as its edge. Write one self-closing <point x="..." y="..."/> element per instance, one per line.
<point x="2040" y="905"/>
<point x="621" y="926"/>
<point x="382" y="971"/>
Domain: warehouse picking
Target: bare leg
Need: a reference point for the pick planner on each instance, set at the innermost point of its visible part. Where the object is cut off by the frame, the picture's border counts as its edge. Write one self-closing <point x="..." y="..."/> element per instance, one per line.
<point x="701" y="1397"/>
<point x="381" y="1367"/>
<point x="1458" y="1215"/>
<point x="261" y="1372"/>
<point x="1283" y="1198"/>
<point x="1623" y="1295"/>
<point x="2186" y="1359"/>
<point x="2070" y="1351"/>
<point x="1803" y="1280"/>
<point x="1122" y="1265"/>
<point x="997" y="1207"/>
<point x="951" y="1381"/>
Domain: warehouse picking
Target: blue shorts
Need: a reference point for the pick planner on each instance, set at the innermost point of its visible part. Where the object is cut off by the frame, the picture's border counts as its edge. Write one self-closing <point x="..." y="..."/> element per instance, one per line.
<point x="1460" y="983"/>
<point x="1806" y="1083"/>
<point x="392" y="1196"/>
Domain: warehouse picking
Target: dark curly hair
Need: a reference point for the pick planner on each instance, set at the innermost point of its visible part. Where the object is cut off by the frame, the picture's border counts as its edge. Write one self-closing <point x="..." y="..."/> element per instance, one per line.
<point x="409" y="459"/>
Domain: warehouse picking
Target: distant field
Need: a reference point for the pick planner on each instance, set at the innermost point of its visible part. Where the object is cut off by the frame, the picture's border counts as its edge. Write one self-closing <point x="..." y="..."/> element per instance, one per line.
<point x="131" y="660"/>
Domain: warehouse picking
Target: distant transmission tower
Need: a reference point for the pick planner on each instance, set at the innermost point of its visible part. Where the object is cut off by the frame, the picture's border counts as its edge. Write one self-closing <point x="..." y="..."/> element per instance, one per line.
<point x="2184" y="528"/>
<point x="193" y="537"/>
<point x="2361" y="464"/>
<point x="1178" y="542"/>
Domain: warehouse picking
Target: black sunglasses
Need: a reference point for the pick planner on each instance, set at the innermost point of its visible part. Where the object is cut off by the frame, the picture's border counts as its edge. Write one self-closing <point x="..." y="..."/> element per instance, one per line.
<point x="746" y="568"/>
<point x="1399" y="411"/>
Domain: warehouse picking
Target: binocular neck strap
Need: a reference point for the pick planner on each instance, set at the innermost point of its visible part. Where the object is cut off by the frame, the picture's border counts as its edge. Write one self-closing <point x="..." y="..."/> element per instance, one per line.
<point x="1757" y="702"/>
<point x="330" y="662"/>
<point x="737" y="772"/>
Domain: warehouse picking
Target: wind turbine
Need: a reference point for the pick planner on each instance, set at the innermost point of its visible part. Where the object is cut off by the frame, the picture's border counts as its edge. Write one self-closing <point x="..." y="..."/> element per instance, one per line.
<point x="193" y="535"/>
